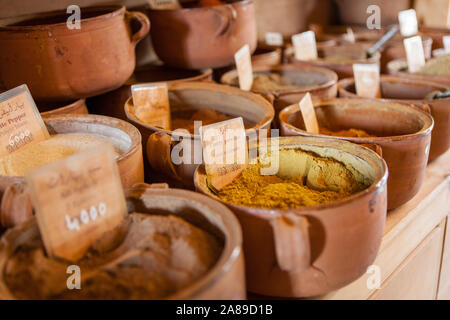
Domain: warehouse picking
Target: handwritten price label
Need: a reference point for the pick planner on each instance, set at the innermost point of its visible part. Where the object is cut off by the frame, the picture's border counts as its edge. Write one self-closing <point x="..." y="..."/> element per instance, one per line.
<point x="20" y="120"/>
<point x="77" y="200"/>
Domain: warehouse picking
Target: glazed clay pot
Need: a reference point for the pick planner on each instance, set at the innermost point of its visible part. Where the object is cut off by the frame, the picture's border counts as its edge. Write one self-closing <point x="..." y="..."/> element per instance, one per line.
<point x="77" y="107"/>
<point x="310" y="251"/>
<point x="398" y="89"/>
<point x="400" y="68"/>
<point x="207" y="37"/>
<point x="403" y="134"/>
<point x="319" y="82"/>
<point x="62" y="64"/>
<point x="111" y="103"/>
<point x="125" y="136"/>
<point x="225" y="280"/>
<point x="159" y="143"/>
<point x="352" y="53"/>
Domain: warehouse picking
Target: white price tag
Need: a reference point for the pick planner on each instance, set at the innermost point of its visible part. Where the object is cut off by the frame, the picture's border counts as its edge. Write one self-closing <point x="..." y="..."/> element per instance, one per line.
<point x="408" y="22"/>
<point x="446" y="40"/>
<point x="243" y="62"/>
<point x="367" y="80"/>
<point x="274" y="39"/>
<point x="305" y="45"/>
<point x="414" y="53"/>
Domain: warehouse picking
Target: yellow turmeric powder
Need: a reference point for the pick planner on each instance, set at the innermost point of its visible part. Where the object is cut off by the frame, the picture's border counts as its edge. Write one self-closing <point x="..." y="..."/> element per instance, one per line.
<point x="307" y="180"/>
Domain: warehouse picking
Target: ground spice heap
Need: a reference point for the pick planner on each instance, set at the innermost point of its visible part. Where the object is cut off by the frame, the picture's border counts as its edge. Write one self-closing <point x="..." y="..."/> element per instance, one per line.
<point x="273" y="82"/>
<point x="439" y="66"/>
<point x="323" y="180"/>
<point x="348" y="133"/>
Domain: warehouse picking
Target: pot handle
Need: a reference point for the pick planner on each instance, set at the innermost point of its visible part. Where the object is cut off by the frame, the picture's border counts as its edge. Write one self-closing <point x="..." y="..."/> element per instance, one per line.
<point x="158" y="154"/>
<point x="228" y="15"/>
<point x="291" y="242"/>
<point x="16" y="206"/>
<point x="145" y="25"/>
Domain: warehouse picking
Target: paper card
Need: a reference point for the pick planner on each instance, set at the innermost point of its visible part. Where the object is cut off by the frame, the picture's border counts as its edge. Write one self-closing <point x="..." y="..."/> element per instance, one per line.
<point x="305" y="46"/>
<point x="20" y="120"/>
<point x="151" y="104"/>
<point x="274" y="39"/>
<point x="446" y="41"/>
<point x="243" y="62"/>
<point x="414" y="53"/>
<point x="309" y="114"/>
<point x="164" y="4"/>
<point x="350" y="36"/>
<point x="408" y="22"/>
<point x="225" y="152"/>
<point x="367" y="80"/>
<point x="77" y="200"/>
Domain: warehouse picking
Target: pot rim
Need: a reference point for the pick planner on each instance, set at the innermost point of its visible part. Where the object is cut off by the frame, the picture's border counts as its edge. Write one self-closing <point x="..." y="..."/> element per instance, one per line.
<point x="128" y="128"/>
<point x="378" y="183"/>
<point x="395" y="67"/>
<point x="424" y="116"/>
<point x="202" y="74"/>
<point x="198" y="9"/>
<point x="269" y="111"/>
<point x="228" y="76"/>
<point x="109" y="11"/>
<point x="345" y="83"/>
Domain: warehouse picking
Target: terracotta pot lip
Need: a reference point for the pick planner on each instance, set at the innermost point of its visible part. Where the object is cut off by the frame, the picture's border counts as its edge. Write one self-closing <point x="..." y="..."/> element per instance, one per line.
<point x="345" y="83"/>
<point x="199" y="9"/>
<point x="424" y="131"/>
<point x="269" y="111"/>
<point x="230" y="227"/>
<point x="202" y="74"/>
<point x="64" y="109"/>
<point x="378" y="183"/>
<point x="332" y="78"/>
<point x="395" y="68"/>
<point x="109" y="12"/>
<point x="323" y="62"/>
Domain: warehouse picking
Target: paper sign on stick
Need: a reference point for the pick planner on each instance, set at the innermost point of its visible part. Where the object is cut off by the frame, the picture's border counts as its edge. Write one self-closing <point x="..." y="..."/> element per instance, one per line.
<point x="309" y="114"/>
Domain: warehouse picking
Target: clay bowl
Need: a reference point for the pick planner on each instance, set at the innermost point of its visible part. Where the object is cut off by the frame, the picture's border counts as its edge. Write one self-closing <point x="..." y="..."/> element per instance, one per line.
<point x="124" y="136"/>
<point x="77" y="107"/>
<point x="351" y="53"/>
<point x="61" y="64"/>
<point x="400" y="68"/>
<point x="403" y="134"/>
<point x="402" y="90"/>
<point x="225" y="280"/>
<point x="159" y="143"/>
<point x="265" y="55"/>
<point x="310" y="251"/>
<point x="207" y="37"/>
<point x="319" y="82"/>
<point x="111" y="103"/>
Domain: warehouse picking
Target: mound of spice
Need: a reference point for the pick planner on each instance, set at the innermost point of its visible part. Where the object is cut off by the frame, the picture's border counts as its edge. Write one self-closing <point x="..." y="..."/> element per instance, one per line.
<point x="439" y="66"/>
<point x="154" y="256"/>
<point x="44" y="152"/>
<point x="348" y="133"/>
<point x="273" y="82"/>
<point x="303" y="180"/>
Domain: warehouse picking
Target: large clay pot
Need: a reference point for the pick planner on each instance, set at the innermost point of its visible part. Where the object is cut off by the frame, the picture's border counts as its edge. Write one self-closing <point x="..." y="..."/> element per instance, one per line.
<point x="351" y="54"/>
<point x="400" y="68"/>
<point x="398" y="89"/>
<point x="225" y="280"/>
<point x="319" y="82"/>
<point x="111" y="103"/>
<point x="77" y="107"/>
<point x="310" y="251"/>
<point x="206" y="37"/>
<point x="61" y="64"/>
<point x="402" y="132"/>
<point x="124" y="135"/>
<point x="355" y="12"/>
<point x="159" y="143"/>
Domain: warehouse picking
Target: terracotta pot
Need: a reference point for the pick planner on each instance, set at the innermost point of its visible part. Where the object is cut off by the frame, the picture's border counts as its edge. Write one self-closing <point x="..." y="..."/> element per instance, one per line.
<point x="77" y="107"/>
<point x="130" y="161"/>
<point x="196" y="95"/>
<point x="436" y="34"/>
<point x="320" y="83"/>
<point x="403" y="134"/>
<point x="287" y="17"/>
<point x="208" y="37"/>
<point x="355" y="12"/>
<point x="400" y="68"/>
<point x="111" y="103"/>
<point x="265" y="55"/>
<point x="344" y="69"/>
<point x="310" y="251"/>
<point x="398" y="89"/>
<point x="225" y="280"/>
<point x="61" y="64"/>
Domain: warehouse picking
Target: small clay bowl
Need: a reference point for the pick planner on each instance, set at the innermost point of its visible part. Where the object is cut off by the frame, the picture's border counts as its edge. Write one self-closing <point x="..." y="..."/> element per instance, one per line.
<point x="400" y="68"/>
<point x="353" y="53"/>
<point x="225" y="280"/>
<point x="265" y="55"/>
<point x="159" y="142"/>
<point x="111" y="103"/>
<point x="403" y="90"/>
<point x="402" y="132"/>
<point x="309" y="251"/>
